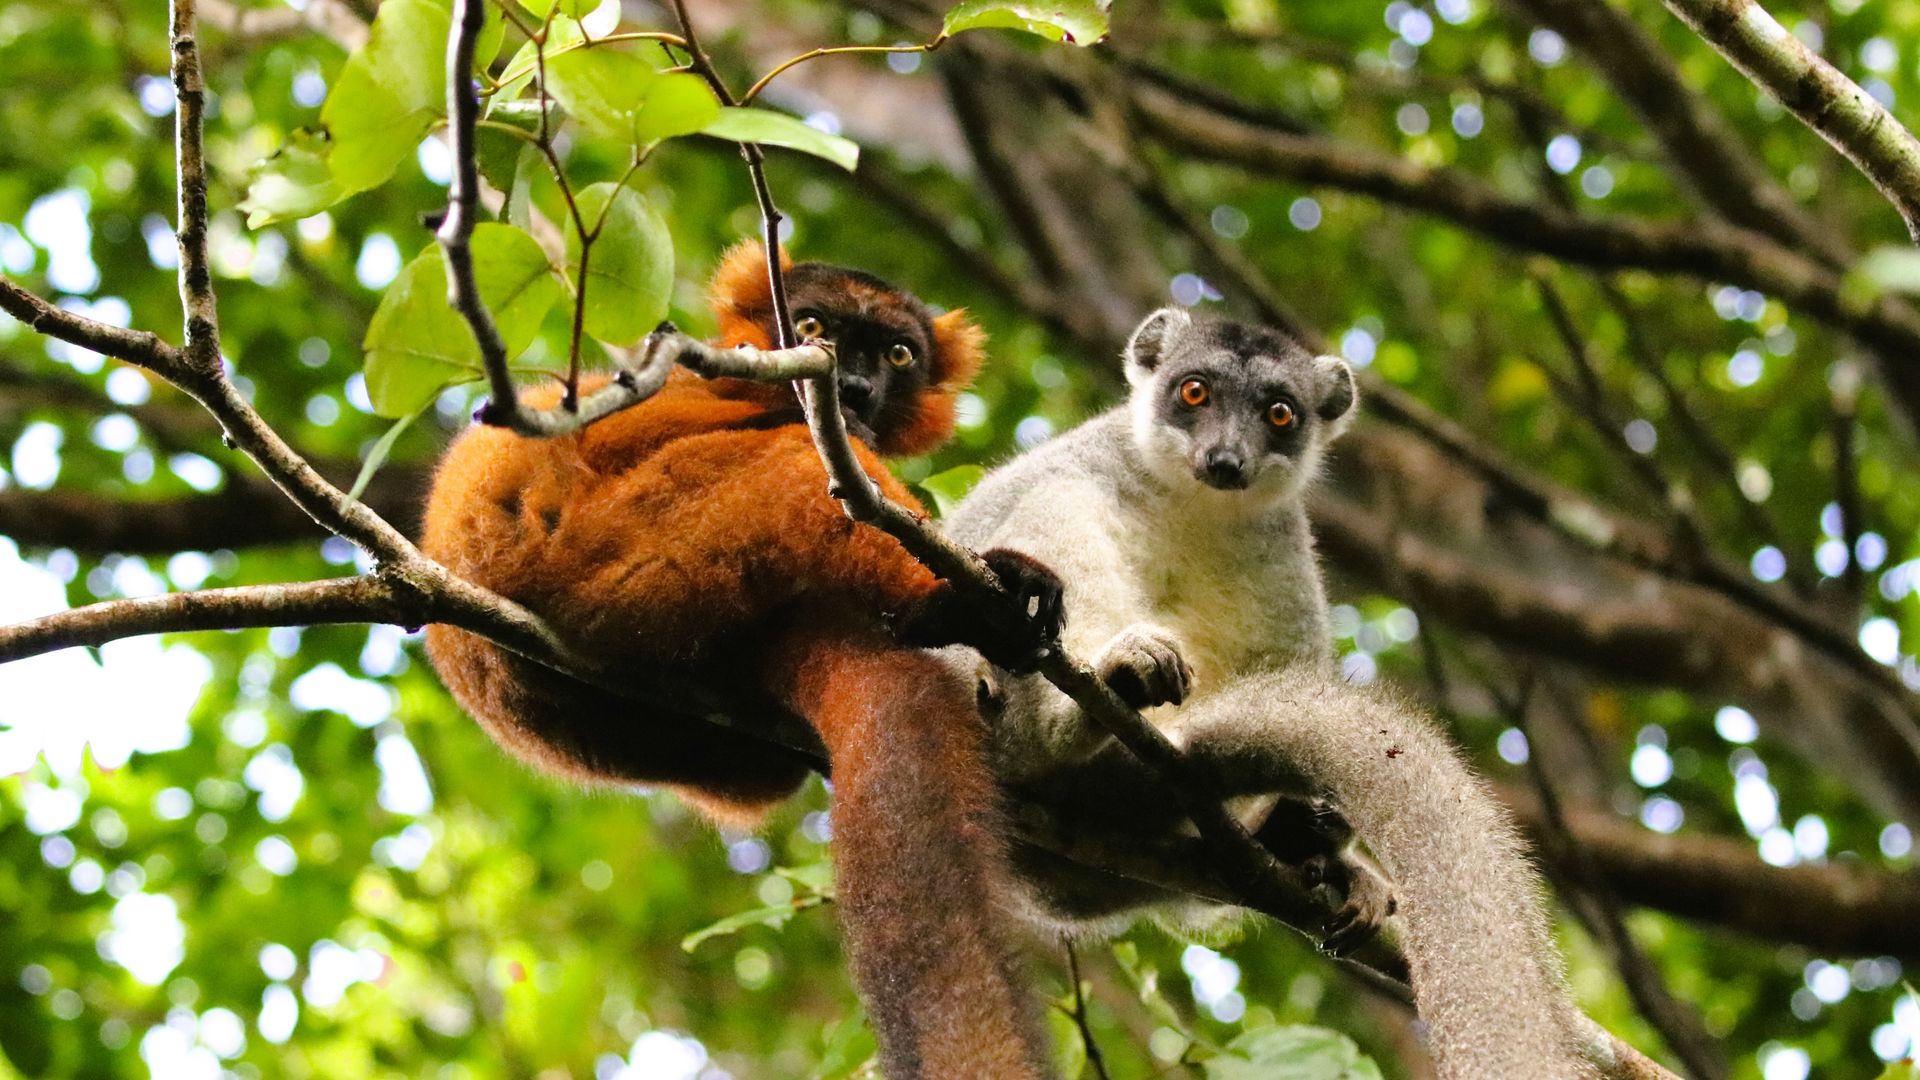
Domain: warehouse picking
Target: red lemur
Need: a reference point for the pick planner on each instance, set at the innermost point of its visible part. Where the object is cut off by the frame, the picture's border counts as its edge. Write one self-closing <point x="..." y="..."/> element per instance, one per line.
<point x="694" y="535"/>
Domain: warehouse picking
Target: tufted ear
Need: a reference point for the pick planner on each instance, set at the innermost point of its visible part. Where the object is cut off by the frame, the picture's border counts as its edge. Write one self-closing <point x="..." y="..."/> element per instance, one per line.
<point x="958" y="348"/>
<point x="741" y="295"/>
<point x="1336" y="404"/>
<point x="1152" y="340"/>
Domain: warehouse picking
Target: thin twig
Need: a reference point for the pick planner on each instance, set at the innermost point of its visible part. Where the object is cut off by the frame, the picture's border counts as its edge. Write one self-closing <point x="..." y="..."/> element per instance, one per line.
<point x="1094" y="1058"/>
<point x="140" y="347"/>
<point x="463" y="209"/>
<point x="340" y="600"/>
<point x="834" y="50"/>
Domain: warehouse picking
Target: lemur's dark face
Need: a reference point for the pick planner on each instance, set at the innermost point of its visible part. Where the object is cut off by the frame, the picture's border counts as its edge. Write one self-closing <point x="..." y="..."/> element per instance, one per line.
<point x="1236" y="407"/>
<point x="883" y="339"/>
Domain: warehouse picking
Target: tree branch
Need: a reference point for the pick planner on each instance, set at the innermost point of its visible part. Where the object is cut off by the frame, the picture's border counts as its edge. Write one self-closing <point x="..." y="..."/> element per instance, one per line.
<point x="202" y="317"/>
<point x="1831" y="104"/>
<point x="134" y="346"/>
<point x="340" y="600"/>
<point x="1705" y="250"/>
<point x="1845" y="908"/>
<point x="463" y="208"/>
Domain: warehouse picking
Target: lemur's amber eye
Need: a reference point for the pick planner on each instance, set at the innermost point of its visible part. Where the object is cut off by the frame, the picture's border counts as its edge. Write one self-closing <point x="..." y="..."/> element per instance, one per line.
<point x="1280" y="414"/>
<point x="1194" y="392"/>
<point x="808" y="327"/>
<point x="900" y="354"/>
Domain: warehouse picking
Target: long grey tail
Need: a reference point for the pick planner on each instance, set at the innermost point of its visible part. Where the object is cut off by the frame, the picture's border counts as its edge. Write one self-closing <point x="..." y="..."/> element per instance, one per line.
<point x="1486" y="976"/>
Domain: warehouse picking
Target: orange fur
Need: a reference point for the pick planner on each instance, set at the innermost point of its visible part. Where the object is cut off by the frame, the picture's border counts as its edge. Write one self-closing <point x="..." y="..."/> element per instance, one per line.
<point x="693" y="536"/>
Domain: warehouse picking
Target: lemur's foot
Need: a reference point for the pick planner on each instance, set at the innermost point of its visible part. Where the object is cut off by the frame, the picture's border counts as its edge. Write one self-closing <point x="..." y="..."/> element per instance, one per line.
<point x="1369" y="898"/>
<point x="1144" y="666"/>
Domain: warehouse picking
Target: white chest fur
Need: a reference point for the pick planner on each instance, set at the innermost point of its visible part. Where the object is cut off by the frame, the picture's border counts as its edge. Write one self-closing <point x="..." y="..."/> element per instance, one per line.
<point x="1238" y="591"/>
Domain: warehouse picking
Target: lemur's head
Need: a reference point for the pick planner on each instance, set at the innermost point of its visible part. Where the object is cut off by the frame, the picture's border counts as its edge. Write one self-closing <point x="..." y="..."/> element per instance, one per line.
<point x="900" y="364"/>
<point x="1232" y="406"/>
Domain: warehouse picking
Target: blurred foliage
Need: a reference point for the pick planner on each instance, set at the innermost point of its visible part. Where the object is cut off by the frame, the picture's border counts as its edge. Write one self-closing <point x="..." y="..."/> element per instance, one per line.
<point x="312" y="915"/>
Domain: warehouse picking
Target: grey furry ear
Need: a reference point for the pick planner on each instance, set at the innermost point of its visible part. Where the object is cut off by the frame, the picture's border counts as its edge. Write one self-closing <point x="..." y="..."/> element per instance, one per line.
<point x="1153" y="339"/>
<point x="1336" y="408"/>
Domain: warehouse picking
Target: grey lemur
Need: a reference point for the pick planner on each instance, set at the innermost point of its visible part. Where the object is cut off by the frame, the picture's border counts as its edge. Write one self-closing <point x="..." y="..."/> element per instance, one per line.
<point x="1178" y="525"/>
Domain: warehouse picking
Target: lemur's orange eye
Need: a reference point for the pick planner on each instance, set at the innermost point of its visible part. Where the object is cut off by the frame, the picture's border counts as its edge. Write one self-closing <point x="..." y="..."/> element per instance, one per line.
<point x="808" y="327"/>
<point x="1194" y="392"/>
<point x="1280" y="414"/>
<point x="900" y="354"/>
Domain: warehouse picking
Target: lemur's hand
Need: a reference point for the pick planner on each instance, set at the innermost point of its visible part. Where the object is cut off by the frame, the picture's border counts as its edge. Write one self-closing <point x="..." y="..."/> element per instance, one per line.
<point x="1144" y="666"/>
<point x="1039" y="596"/>
<point x="1311" y="833"/>
<point x="1369" y="898"/>
<point x="947" y="619"/>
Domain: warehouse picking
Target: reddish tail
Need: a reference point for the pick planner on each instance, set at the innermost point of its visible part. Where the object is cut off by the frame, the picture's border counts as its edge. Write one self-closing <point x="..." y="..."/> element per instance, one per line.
<point x="920" y="864"/>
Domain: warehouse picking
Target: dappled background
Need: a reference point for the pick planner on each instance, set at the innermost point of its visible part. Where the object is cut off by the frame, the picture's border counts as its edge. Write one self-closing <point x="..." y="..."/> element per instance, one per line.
<point x="1634" y="500"/>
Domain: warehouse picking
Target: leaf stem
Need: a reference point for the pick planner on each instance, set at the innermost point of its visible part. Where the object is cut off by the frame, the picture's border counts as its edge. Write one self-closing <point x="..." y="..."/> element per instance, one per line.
<point x="834" y="50"/>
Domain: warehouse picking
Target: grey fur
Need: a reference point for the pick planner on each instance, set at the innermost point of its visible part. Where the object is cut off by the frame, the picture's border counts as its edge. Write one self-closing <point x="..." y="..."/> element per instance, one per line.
<point x="1156" y="557"/>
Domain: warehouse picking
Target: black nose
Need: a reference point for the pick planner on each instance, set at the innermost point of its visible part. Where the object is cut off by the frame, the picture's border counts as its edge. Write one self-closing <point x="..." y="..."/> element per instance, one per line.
<point x="856" y="392"/>
<point x="1226" y="469"/>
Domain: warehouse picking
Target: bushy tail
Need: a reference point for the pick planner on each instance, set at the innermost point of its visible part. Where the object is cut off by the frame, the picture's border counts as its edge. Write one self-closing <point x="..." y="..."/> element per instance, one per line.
<point x="1486" y="976"/>
<point x="919" y="859"/>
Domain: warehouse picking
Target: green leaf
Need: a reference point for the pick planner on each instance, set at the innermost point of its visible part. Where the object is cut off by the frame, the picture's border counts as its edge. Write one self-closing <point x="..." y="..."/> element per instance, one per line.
<point x="516" y="282"/>
<point x="389" y="94"/>
<point x="778" y="129"/>
<point x="775" y="917"/>
<point x="417" y="344"/>
<point x="497" y="152"/>
<point x="295" y="182"/>
<point x="1069" y="1045"/>
<point x="377" y="454"/>
<point x="630" y="273"/>
<point x="577" y="9"/>
<point x="1902" y="1070"/>
<point x="848" y="1047"/>
<point x="949" y="487"/>
<point x="1297" y="1052"/>
<point x="493" y="34"/>
<point x="816" y="878"/>
<point x="563" y="34"/>
<point x="1076" y="22"/>
<point x="617" y="95"/>
<point x="519" y="208"/>
<point x="1146" y="982"/>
